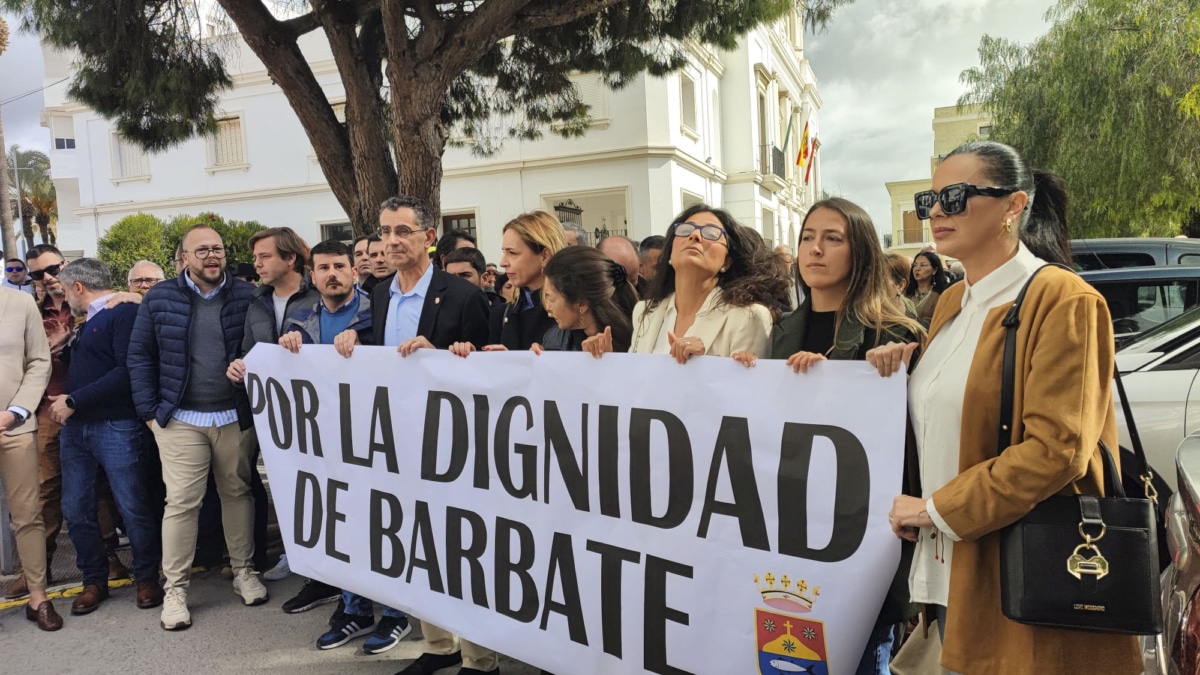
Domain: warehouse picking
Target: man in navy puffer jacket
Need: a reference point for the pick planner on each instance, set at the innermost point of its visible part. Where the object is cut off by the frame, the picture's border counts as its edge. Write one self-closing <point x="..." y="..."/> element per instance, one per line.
<point x="187" y="332"/>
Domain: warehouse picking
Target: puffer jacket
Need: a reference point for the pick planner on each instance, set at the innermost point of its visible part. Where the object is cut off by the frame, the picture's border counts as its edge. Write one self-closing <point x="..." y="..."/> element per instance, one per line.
<point x="159" y="346"/>
<point x="260" y="316"/>
<point x="307" y="321"/>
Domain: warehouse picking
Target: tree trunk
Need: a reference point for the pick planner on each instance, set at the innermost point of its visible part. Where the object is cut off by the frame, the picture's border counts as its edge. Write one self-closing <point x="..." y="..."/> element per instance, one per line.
<point x="420" y="144"/>
<point x="43" y="224"/>
<point x="6" y="221"/>
<point x="27" y="224"/>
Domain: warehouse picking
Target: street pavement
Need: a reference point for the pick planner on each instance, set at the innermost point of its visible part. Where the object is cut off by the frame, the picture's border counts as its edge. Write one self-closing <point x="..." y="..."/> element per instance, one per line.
<point x="225" y="637"/>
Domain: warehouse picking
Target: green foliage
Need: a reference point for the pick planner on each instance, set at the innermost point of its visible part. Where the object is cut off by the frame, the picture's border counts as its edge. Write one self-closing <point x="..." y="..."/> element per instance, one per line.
<point x="1109" y="98"/>
<point x="134" y="238"/>
<point x="234" y="233"/>
<point x="145" y="237"/>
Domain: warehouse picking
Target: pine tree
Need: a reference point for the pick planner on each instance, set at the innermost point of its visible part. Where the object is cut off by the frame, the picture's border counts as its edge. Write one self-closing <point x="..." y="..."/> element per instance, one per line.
<point x="413" y="70"/>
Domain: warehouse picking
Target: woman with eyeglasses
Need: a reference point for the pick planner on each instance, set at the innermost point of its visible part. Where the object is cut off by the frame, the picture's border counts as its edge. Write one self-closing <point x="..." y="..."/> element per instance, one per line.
<point x="998" y="217"/>
<point x="713" y="290"/>
<point x="926" y="282"/>
<point x="529" y="241"/>
<point x="849" y="307"/>
<point x="590" y="299"/>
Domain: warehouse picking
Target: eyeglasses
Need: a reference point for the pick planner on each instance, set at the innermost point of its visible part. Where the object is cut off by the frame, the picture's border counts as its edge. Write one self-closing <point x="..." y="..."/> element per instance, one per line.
<point x="144" y="281"/>
<point x="401" y="231"/>
<point x="953" y="198"/>
<point x="203" y="253"/>
<point x="14" y="269"/>
<point x="52" y="270"/>
<point x="709" y="232"/>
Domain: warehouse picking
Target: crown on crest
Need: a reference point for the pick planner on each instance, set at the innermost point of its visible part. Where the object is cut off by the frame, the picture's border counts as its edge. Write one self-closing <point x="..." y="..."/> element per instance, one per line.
<point x="784" y="595"/>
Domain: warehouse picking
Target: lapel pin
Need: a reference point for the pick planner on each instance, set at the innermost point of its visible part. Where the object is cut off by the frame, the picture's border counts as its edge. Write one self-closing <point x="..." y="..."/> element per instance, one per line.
<point x="437" y="300"/>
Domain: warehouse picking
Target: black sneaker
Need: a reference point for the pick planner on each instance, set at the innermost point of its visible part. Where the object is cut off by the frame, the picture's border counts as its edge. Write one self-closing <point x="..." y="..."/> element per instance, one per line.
<point x="388" y="633"/>
<point x="312" y="594"/>
<point x="347" y="629"/>
<point x="338" y="612"/>
<point x="428" y="664"/>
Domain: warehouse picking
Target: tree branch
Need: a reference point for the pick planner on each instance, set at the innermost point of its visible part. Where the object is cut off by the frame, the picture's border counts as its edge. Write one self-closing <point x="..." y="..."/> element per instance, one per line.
<point x="548" y="14"/>
<point x="433" y="28"/>
<point x="300" y="25"/>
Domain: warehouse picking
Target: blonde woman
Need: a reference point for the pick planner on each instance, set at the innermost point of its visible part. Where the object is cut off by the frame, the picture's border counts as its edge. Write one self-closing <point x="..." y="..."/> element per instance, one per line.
<point x="529" y="241"/>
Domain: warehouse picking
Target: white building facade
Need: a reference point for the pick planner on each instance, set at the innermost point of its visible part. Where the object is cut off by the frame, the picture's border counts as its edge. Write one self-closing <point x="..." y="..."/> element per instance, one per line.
<point x="726" y="131"/>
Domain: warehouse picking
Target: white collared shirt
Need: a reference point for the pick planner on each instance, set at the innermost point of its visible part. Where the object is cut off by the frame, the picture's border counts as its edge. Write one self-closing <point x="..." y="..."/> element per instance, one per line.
<point x="937" y="391"/>
<point x="96" y="306"/>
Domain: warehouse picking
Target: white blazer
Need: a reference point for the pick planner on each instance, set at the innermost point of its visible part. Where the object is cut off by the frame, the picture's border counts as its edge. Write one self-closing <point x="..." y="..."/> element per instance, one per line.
<point x="723" y="329"/>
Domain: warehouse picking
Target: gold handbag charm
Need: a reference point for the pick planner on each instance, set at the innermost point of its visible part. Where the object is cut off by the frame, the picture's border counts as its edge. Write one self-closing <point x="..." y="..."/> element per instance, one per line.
<point x="1096" y="565"/>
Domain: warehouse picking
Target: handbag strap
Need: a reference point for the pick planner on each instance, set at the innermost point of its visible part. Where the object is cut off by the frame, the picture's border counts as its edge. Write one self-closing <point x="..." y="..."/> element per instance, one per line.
<point x="1011" y="322"/>
<point x="1135" y="439"/>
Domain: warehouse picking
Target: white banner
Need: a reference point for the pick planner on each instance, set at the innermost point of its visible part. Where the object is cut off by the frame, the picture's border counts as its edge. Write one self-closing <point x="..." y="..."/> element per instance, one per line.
<point x="620" y="515"/>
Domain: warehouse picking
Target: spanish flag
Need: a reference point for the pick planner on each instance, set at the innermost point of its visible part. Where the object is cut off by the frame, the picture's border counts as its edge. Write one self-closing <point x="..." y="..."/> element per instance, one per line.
<point x="802" y="156"/>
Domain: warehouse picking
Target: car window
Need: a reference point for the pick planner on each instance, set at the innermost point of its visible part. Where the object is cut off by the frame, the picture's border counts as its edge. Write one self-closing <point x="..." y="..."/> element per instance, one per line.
<point x="1167" y="335"/>
<point x="1088" y="260"/>
<point x="1139" y="306"/>
<point x="1189" y="259"/>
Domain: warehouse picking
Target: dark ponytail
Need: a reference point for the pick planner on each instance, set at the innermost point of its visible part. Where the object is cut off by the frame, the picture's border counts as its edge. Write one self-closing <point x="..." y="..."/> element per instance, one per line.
<point x="1043" y="227"/>
<point x="584" y="274"/>
<point x="1045" y="232"/>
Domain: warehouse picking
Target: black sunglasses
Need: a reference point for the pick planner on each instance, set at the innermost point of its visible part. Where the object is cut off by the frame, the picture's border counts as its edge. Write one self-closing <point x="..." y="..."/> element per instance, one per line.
<point x="953" y="198"/>
<point x="52" y="270"/>
<point x="14" y="269"/>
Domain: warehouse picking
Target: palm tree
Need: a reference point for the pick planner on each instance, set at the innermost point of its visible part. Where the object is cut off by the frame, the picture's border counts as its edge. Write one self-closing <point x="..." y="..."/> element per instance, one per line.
<point x="6" y="227"/>
<point x="33" y="188"/>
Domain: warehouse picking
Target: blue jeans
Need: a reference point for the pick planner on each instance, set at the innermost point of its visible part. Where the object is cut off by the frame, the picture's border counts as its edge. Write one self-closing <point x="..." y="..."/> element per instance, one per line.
<point x="878" y="654"/>
<point x="357" y="605"/>
<point x="117" y="446"/>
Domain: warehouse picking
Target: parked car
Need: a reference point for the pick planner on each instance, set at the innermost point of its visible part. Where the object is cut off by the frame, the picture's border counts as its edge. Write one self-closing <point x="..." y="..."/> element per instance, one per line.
<point x="1103" y="254"/>
<point x="1160" y="369"/>
<point x="1140" y="298"/>
<point x="1177" y="650"/>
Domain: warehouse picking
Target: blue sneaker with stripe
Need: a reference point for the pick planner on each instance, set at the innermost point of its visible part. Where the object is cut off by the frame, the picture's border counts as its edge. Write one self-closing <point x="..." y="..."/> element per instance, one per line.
<point x="346" y="629"/>
<point x="388" y="633"/>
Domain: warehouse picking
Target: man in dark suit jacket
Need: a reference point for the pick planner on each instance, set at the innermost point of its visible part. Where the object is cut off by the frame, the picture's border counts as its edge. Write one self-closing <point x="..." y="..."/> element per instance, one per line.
<point x="418" y="300"/>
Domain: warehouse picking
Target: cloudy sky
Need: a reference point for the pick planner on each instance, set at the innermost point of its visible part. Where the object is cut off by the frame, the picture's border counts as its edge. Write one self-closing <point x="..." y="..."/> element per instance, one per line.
<point x="21" y="72"/>
<point x="882" y="67"/>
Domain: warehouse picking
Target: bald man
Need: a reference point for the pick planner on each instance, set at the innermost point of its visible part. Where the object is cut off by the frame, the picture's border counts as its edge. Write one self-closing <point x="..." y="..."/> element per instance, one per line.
<point x="624" y="253"/>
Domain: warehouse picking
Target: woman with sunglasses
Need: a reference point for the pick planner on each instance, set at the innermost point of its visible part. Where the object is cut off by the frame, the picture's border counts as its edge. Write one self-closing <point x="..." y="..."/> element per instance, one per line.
<point x="590" y="298"/>
<point x="713" y="290"/>
<point x="989" y="210"/>
<point x="849" y="307"/>
<point x="926" y="282"/>
<point x="529" y="241"/>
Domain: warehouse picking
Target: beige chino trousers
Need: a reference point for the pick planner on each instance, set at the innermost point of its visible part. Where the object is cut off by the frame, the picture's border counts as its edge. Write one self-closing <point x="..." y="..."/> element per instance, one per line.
<point x="19" y="474"/>
<point x="441" y="642"/>
<point x="187" y="452"/>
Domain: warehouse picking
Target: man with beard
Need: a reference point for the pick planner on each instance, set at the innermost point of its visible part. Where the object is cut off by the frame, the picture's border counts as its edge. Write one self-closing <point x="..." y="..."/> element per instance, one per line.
<point x="187" y="332"/>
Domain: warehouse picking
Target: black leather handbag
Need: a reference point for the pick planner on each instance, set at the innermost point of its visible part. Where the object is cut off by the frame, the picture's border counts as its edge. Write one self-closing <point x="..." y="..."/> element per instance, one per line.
<point x="1078" y="562"/>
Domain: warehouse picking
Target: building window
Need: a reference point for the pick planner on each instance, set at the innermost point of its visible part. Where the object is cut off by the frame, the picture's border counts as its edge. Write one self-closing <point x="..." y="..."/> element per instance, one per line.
<point x="593" y="93"/>
<point x="131" y="160"/>
<point x="768" y="228"/>
<point x="460" y="221"/>
<point x="228" y="148"/>
<point x="985" y="130"/>
<point x="343" y="232"/>
<point x="914" y="228"/>
<point x="687" y="101"/>
<point x="62" y="130"/>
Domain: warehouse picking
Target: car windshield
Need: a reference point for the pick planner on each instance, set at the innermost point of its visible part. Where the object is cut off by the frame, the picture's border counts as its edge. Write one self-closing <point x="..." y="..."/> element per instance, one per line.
<point x="1159" y="338"/>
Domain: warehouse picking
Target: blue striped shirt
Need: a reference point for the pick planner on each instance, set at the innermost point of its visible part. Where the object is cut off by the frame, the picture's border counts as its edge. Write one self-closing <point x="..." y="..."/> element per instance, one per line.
<point x="194" y="417"/>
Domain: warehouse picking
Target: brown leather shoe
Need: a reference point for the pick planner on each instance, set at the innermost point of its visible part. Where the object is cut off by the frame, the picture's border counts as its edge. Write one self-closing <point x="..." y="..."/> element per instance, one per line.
<point x="17" y="588"/>
<point x="149" y="594"/>
<point x="91" y="597"/>
<point x="47" y="619"/>
<point x="116" y="568"/>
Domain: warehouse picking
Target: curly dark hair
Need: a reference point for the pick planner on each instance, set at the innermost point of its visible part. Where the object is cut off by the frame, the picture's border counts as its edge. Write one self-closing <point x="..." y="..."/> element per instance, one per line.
<point x="752" y="277"/>
<point x="939" y="280"/>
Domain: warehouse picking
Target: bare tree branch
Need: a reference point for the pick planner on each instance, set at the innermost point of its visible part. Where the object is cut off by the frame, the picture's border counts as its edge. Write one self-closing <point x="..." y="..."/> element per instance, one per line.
<point x="433" y="28"/>
<point x="548" y="14"/>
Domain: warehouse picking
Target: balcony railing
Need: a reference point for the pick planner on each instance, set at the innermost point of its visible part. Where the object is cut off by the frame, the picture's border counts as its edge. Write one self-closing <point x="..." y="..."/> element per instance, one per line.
<point x="771" y="161"/>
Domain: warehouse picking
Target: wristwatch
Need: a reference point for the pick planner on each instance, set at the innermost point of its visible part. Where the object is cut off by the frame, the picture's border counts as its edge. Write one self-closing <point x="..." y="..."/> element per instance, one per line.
<point x="70" y="401"/>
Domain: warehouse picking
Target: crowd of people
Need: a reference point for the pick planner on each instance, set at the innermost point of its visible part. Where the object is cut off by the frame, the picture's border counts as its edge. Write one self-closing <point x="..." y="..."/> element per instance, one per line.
<point x="126" y="406"/>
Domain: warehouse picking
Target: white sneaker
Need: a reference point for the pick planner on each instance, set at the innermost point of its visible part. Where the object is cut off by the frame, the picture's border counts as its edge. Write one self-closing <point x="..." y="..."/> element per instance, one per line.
<point x="247" y="585"/>
<point x="280" y="571"/>
<point x="175" y="614"/>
